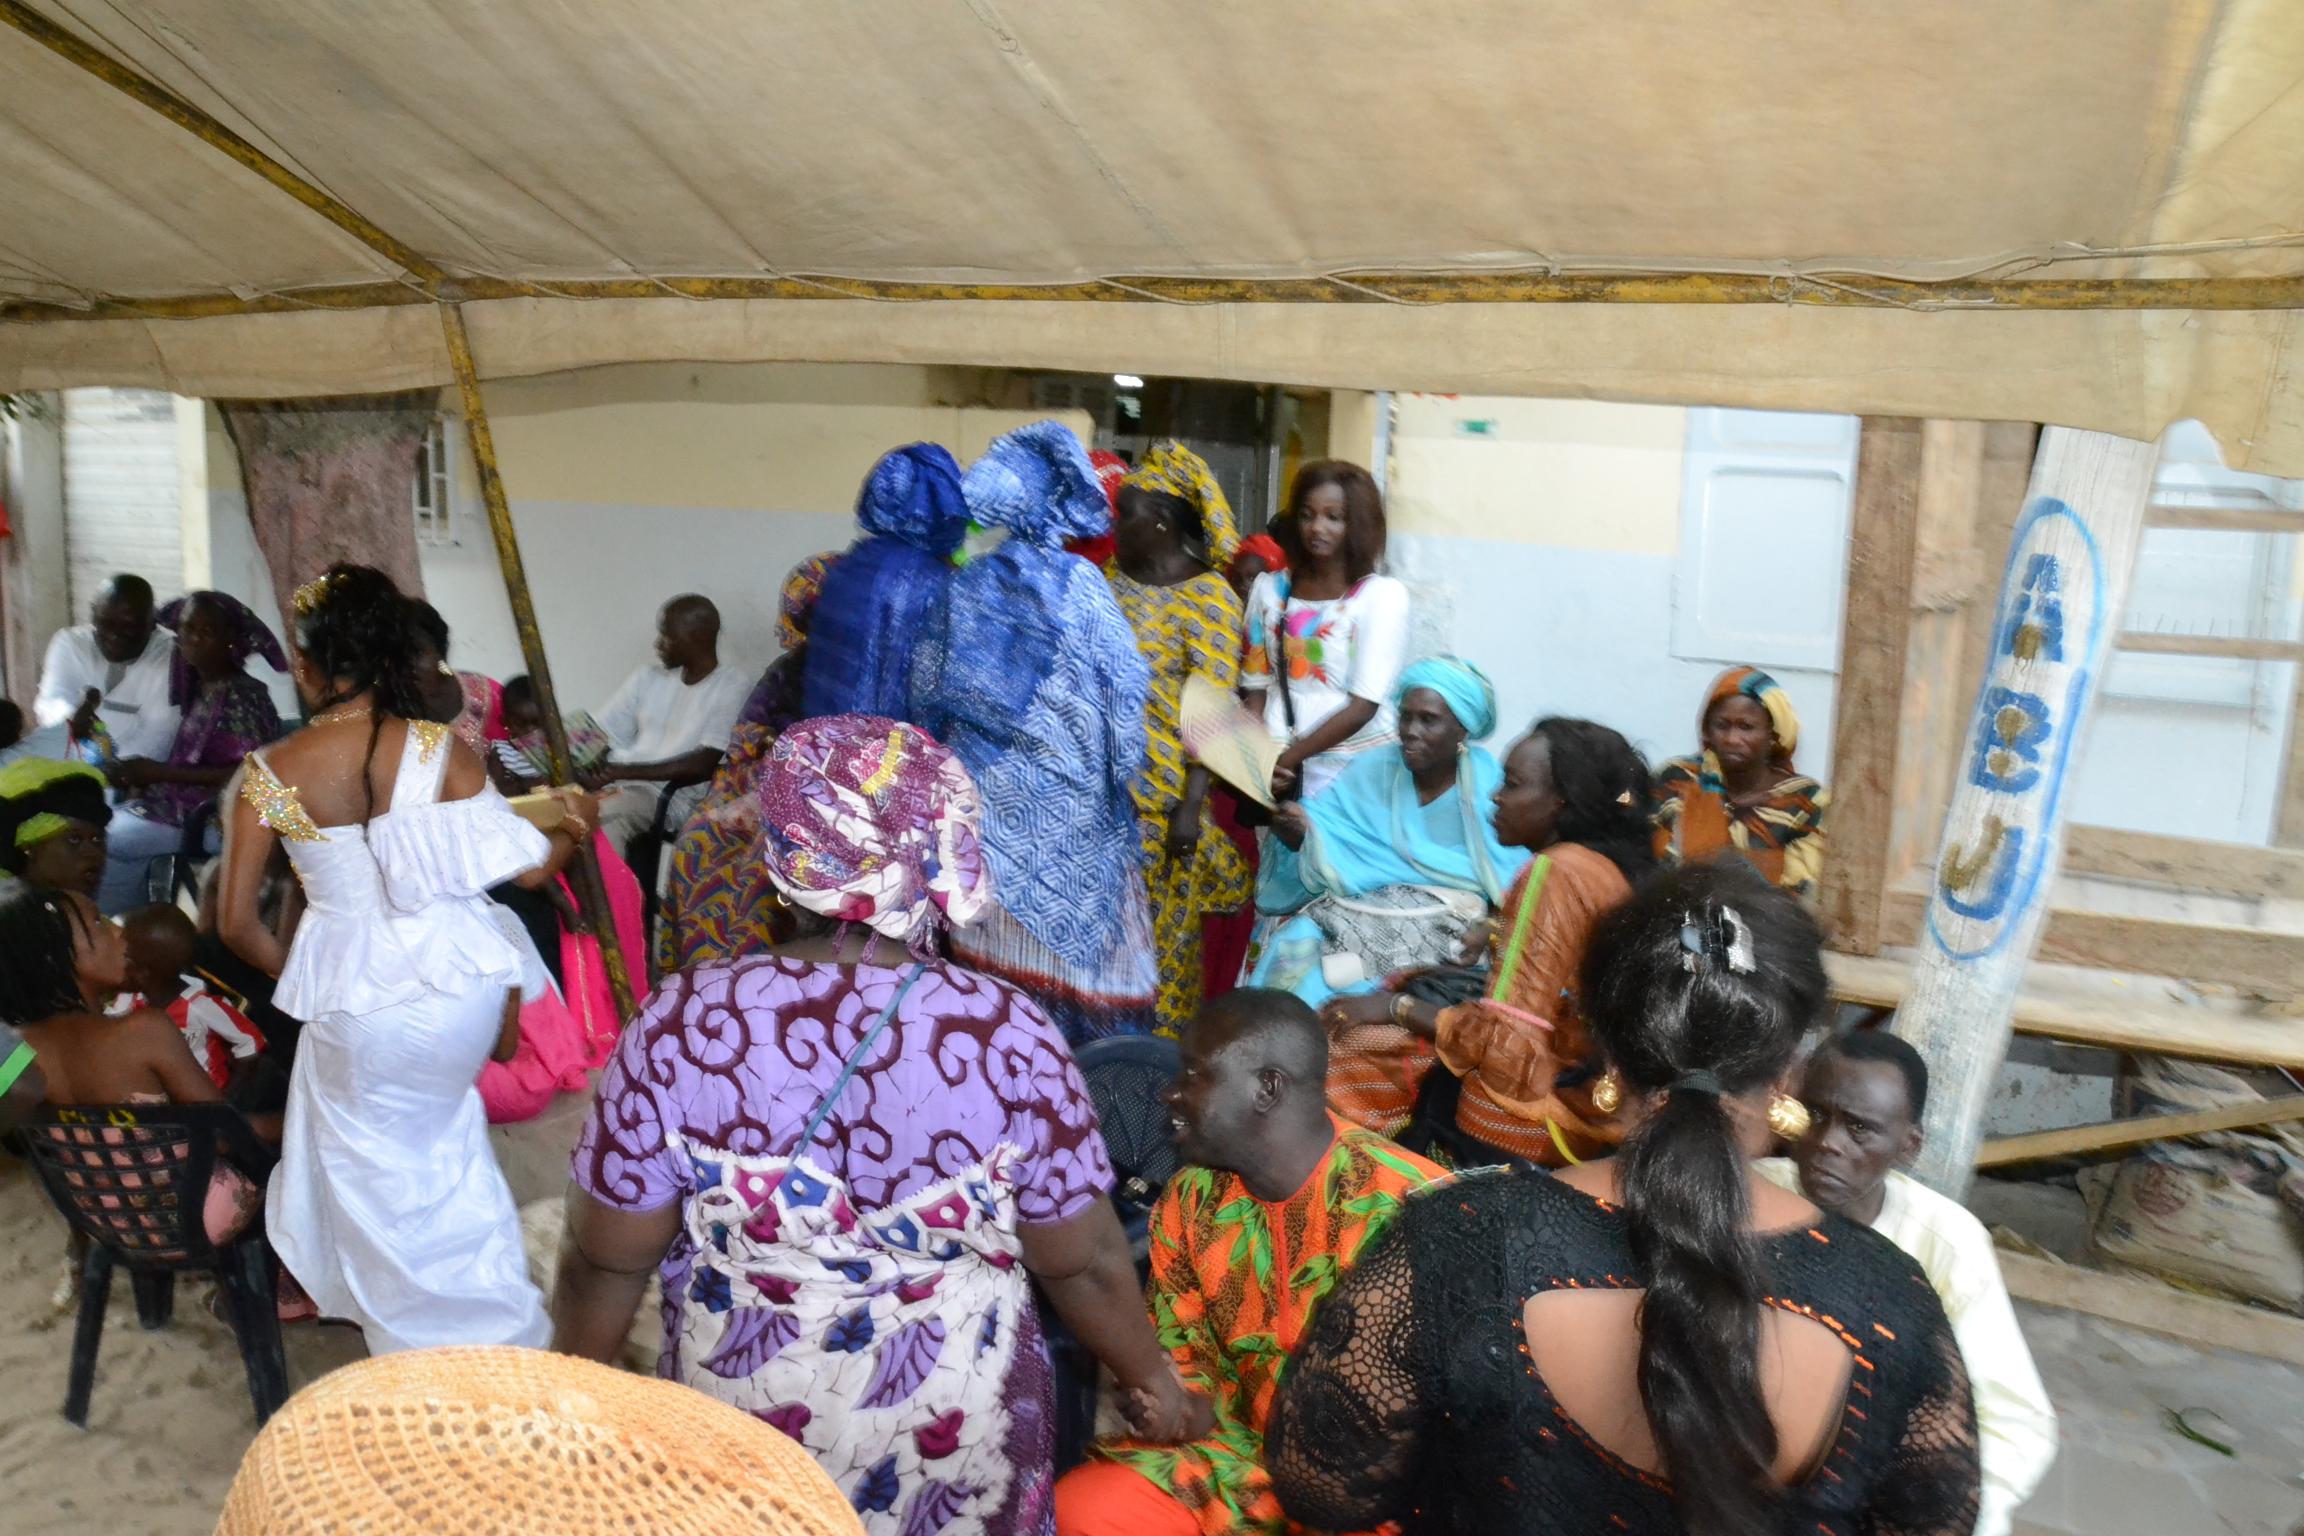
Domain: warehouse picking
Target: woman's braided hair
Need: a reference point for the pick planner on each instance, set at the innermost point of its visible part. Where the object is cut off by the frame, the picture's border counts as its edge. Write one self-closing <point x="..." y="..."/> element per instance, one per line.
<point x="352" y="623"/>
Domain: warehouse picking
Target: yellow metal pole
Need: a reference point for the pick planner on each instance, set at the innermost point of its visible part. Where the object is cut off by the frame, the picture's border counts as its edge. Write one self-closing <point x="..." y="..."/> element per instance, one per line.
<point x="586" y="862"/>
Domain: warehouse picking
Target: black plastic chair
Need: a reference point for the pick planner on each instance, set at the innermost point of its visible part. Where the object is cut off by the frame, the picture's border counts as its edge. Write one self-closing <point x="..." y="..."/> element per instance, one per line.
<point x="645" y="853"/>
<point x="178" y="873"/>
<point x="132" y="1179"/>
<point x="1125" y="1074"/>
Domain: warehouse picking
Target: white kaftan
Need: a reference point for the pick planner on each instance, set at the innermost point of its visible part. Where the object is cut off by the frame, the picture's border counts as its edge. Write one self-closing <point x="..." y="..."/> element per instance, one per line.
<point x="388" y="1205"/>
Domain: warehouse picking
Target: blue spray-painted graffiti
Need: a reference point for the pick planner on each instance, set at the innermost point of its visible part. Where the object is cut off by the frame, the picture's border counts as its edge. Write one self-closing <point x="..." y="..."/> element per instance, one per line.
<point x="2024" y="732"/>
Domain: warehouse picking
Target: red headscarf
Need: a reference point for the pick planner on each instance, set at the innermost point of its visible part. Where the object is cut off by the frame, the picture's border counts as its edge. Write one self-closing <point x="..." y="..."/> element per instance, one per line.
<point x="1111" y="469"/>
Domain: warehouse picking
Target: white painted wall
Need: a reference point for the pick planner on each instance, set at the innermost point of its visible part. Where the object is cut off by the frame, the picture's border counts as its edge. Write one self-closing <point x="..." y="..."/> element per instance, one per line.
<point x="1541" y="540"/>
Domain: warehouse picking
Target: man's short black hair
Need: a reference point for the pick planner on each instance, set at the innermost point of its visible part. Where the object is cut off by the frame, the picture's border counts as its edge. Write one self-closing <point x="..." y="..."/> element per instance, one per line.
<point x="1879" y="1045"/>
<point x="1288" y="1032"/>
<point x="125" y="587"/>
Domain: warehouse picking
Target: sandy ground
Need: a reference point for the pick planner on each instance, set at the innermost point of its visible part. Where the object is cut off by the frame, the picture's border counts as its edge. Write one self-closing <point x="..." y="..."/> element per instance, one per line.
<point x="170" y="1416"/>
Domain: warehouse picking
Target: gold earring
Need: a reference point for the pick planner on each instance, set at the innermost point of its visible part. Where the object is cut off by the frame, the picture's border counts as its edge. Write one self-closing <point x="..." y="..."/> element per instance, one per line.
<point x="1607" y="1093"/>
<point x="1788" y="1117"/>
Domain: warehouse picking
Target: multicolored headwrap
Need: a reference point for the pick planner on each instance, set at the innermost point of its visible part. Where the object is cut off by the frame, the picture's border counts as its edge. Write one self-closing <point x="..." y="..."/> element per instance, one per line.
<point x="1463" y="687"/>
<point x="798" y="599"/>
<point x="1765" y="691"/>
<point x="251" y="636"/>
<point x="872" y="821"/>
<point x="38" y="796"/>
<point x="1175" y="470"/>
<point x="1037" y="483"/>
<point x="913" y="495"/>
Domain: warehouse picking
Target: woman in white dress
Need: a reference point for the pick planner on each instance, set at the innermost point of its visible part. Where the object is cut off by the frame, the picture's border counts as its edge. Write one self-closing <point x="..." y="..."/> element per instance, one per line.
<point x="388" y="1204"/>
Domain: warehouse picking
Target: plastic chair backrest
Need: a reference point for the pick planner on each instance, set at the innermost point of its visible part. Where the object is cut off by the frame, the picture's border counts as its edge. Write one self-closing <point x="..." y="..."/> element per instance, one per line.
<point x="1125" y="1074"/>
<point x="134" y="1177"/>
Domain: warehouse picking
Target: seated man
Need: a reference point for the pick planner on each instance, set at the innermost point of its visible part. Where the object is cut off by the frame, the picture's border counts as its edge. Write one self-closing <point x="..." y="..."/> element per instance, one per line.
<point x="670" y="721"/>
<point x="113" y="670"/>
<point x="1280" y="1198"/>
<point x="1866" y="1093"/>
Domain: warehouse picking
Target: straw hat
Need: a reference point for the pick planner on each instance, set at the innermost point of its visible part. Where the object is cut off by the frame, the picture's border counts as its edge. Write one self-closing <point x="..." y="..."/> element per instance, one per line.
<point x="517" y="1442"/>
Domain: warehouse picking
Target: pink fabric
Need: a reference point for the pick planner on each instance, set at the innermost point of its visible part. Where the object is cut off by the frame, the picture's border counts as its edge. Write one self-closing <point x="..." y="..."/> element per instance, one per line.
<point x="482" y="718"/>
<point x="566" y="1036"/>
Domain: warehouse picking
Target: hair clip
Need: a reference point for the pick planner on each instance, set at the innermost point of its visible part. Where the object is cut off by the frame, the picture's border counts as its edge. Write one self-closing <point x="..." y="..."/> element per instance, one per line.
<point x="314" y="592"/>
<point x="1624" y="798"/>
<point x="1725" y="940"/>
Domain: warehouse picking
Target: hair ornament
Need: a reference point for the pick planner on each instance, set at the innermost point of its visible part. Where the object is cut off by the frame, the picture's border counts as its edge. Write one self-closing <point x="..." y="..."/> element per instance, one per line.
<point x="1723" y="938"/>
<point x="315" y="592"/>
<point x="1625" y="798"/>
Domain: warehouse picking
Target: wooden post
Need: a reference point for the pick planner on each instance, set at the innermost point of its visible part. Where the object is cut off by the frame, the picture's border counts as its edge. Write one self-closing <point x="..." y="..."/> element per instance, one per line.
<point x="1873" y="630"/>
<point x="589" y="886"/>
<point x="2063" y="595"/>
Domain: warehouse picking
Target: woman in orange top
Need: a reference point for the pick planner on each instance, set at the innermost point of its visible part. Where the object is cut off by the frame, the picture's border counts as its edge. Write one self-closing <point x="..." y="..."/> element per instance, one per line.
<point x="1521" y="1065"/>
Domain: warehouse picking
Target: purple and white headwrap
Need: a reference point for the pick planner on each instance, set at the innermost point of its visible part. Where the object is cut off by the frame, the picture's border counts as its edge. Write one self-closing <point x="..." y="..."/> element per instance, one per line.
<point x="873" y="821"/>
<point x="251" y="636"/>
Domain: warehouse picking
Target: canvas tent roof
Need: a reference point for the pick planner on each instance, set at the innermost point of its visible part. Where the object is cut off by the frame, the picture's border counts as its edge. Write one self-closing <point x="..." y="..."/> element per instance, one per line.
<point x="574" y="168"/>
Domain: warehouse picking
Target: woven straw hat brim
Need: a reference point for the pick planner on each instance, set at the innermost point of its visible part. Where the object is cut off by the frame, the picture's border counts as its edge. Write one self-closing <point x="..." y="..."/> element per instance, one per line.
<point x="519" y="1442"/>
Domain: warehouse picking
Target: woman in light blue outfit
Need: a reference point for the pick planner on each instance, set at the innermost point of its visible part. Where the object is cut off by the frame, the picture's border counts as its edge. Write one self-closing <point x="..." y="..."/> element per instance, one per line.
<point x="1387" y="868"/>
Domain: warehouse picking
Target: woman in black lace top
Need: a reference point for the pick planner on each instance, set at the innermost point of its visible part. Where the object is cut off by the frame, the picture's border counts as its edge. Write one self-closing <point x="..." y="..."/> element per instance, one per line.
<point x="1661" y="1342"/>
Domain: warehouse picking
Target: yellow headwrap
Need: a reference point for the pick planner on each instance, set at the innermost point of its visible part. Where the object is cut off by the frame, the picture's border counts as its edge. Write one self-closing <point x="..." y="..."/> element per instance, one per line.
<point x="1177" y="471"/>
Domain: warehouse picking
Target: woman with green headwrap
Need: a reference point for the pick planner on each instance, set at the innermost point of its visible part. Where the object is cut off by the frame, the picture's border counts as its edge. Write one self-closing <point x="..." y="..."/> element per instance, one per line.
<point x="52" y="820"/>
<point x="1392" y="867"/>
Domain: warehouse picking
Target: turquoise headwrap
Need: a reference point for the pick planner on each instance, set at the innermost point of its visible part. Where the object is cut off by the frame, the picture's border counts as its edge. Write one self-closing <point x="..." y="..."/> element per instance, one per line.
<point x="1463" y="687"/>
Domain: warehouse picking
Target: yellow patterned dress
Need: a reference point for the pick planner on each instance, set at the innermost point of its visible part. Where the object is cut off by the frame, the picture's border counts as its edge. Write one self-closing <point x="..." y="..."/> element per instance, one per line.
<point x="1193" y="626"/>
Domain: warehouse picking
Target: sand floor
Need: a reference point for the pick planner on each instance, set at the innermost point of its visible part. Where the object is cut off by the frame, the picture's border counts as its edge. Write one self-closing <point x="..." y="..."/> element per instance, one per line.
<point x="170" y="1417"/>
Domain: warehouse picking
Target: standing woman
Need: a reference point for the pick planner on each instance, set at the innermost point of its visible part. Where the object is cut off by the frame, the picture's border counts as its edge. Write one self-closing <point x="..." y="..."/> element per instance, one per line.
<point x="388" y="1204"/>
<point x="1174" y="536"/>
<point x="226" y="714"/>
<point x="1327" y="636"/>
<point x="1741" y="791"/>
<point x="1662" y="1343"/>
<point x="874" y="601"/>
<point x="1028" y="671"/>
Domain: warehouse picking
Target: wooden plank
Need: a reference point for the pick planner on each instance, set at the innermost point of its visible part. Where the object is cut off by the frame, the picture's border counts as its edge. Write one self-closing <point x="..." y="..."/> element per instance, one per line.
<point x="2191" y="864"/>
<point x="2225" y="519"/>
<point x="2262" y="960"/>
<point x="2077" y="1139"/>
<point x="2210" y="645"/>
<point x="1950" y="577"/>
<point x="2155" y="1307"/>
<point x="1873" y="637"/>
<point x="2199" y="1034"/>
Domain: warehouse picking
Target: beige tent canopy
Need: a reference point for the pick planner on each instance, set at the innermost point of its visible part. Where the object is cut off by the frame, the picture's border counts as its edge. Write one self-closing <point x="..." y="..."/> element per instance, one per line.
<point x="2090" y="213"/>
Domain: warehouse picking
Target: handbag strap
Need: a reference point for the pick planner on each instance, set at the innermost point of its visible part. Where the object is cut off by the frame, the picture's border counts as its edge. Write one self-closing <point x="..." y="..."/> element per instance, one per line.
<point x="855" y="1061"/>
<point x="1280" y="670"/>
<point x="1530" y="896"/>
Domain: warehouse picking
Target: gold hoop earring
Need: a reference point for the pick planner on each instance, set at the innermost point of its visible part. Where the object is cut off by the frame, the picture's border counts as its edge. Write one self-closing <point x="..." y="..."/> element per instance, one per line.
<point x="1788" y="1117"/>
<point x="1608" y="1093"/>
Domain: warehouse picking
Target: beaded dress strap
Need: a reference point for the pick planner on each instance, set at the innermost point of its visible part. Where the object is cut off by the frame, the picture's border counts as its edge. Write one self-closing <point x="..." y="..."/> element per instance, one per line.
<point x="277" y="805"/>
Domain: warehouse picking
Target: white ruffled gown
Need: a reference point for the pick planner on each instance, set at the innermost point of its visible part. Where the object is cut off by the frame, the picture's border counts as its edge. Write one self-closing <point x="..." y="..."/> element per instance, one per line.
<point x="388" y="1205"/>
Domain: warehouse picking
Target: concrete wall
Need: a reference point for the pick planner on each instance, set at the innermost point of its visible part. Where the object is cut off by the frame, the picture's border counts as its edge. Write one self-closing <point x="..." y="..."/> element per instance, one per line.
<point x="36" y="594"/>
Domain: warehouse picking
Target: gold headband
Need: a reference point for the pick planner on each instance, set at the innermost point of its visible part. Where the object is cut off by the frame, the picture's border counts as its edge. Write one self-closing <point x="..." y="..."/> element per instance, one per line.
<point x="314" y="592"/>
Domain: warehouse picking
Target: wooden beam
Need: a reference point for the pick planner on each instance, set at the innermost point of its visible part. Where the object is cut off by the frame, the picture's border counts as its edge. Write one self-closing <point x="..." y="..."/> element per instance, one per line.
<point x="2226" y="519"/>
<point x="1951" y="575"/>
<point x="2075" y="1140"/>
<point x="1874" y="630"/>
<point x="2155" y="1307"/>
<point x="2262" y="960"/>
<point x="1849" y="291"/>
<point x="2210" y="645"/>
<point x="2187" y="863"/>
<point x="2168" y="1029"/>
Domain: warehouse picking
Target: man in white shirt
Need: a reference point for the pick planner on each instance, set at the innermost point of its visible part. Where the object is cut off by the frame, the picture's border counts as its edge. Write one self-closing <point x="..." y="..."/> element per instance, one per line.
<point x="669" y="723"/>
<point x="114" y="669"/>
<point x="1866" y="1093"/>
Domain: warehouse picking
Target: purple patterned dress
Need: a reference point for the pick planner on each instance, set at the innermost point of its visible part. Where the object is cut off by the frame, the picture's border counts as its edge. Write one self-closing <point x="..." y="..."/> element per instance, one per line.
<point x="865" y="1297"/>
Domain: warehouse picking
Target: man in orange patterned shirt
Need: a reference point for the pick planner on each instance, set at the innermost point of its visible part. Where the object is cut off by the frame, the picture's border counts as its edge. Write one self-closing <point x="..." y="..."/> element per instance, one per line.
<point x="1280" y="1198"/>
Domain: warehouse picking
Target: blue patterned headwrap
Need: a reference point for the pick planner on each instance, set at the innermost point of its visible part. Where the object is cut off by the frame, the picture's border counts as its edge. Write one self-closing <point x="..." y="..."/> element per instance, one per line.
<point x="913" y="495"/>
<point x="1463" y="687"/>
<point x="1037" y="483"/>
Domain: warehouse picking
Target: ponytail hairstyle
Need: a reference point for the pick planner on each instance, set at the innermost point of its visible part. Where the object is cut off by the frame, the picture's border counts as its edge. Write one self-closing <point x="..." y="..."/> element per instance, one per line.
<point x="1700" y="987"/>
<point x="1605" y="792"/>
<point x="352" y="623"/>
